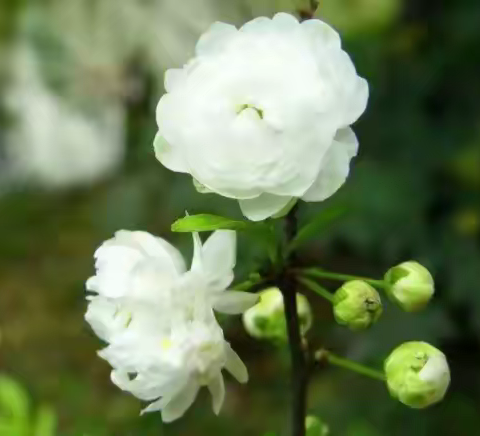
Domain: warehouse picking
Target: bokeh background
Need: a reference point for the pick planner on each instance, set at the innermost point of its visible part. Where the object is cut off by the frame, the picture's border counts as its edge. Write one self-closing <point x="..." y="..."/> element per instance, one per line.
<point x="79" y="81"/>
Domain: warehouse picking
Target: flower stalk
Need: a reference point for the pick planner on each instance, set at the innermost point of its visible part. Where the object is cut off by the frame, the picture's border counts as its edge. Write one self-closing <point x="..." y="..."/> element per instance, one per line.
<point x="287" y="284"/>
<point x="315" y="287"/>
<point x="333" y="359"/>
<point x="320" y="273"/>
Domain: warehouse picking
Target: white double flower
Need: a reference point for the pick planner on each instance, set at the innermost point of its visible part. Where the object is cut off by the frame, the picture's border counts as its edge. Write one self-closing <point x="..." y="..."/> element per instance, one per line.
<point x="262" y="113"/>
<point x="164" y="342"/>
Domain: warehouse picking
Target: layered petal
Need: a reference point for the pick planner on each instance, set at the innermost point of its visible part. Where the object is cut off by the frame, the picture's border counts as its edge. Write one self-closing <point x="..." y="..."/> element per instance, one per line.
<point x="321" y="34"/>
<point x="135" y="265"/>
<point x="219" y="257"/>
<point x="263" y="206"/>
<point x="234" y="365"/>
<point x="179" y="404"/>
<point x="170" y="157"/>
<point x="215" y="38"/>
<point x="217" y="388"/>
<point x="234" y="302"/>
<point x="336" y="167"/>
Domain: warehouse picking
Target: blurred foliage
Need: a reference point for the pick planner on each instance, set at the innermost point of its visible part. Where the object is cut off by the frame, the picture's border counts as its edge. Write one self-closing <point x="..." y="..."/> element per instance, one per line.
<point x="414" y="193"/>
<point x="16" y="417"/>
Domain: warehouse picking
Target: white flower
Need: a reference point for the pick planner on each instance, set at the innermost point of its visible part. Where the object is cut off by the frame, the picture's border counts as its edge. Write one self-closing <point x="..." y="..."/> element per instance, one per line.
<point x="51" y="141"/>
<point x="162" y="356"/>
<point x="142" y="267"/>
<point x="164" y="343"/>
<point x="262" y="114"/>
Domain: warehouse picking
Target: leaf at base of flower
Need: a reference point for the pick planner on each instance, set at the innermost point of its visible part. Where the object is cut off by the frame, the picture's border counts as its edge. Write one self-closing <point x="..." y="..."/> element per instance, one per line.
<point x="206" y="222"/>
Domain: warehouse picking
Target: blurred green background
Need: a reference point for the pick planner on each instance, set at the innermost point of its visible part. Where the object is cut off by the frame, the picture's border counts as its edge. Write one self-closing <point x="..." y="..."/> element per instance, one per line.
<point x="79" y="81"/>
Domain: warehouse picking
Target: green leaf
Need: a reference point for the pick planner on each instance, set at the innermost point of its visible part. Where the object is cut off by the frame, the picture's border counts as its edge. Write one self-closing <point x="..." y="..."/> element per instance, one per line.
<point x="319" y="223"/>
<point x="206" y="222"/>
<point x="14" y="402"/>
<point x="46" y="422"/>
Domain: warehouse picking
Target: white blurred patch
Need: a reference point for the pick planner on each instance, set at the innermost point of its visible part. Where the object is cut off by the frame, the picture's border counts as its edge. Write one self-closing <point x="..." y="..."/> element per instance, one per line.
<point x="51" y="141"/>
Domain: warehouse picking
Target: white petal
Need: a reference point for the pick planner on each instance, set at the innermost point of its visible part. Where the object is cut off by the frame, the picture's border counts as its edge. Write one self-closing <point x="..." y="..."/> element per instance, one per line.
<point x="197" y="261"/>
<point x="357" y="101"/>
<point x="91" y="284"/>
<point x="234" y="302"/>
<point x="174" y="77"/>
<point x="219" y="256"/>
<point x="180" y="403"/>
<point x="156" y="405"/>
<point x="235" y="366"/>
<point x="145" y="388"/>
<point x="263" y="206"/>
<point x="175" y="255"/>
<point x="284" y="21"/>
<point x="168" y="155"/>
<point x="215" y="38"/>
<point x="101" y="317"/>
<point x="257" y="25"/>
<point x="335" y="167"/>
<point x="321" y="33"/>
<point x="148" y="244"/>
<point x="217" y="389"/>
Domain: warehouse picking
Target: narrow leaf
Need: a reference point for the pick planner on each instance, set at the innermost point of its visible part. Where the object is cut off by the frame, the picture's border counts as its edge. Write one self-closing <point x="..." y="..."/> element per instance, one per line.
<point x="207" y="222"/>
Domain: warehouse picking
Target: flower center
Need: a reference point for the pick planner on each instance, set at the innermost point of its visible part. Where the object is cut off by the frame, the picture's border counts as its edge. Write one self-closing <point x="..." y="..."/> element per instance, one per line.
<point x="244" y="106"/>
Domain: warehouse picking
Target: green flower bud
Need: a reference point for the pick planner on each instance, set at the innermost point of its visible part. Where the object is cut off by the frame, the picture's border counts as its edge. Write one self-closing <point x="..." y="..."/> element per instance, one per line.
<point x="266" y="320"/>
<point x="410" y="285"/>
<point x="315" y="427"/>
<point x="357" y="305"/>
<point x="417" y="374"/>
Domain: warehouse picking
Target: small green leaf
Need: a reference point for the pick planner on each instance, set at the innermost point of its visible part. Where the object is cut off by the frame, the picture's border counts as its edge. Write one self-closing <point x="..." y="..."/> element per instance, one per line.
<point x="14" y="402"/>
<point x="207" y="222"/>
<point x="46" y="422"/>
<point x="320" y="222"/>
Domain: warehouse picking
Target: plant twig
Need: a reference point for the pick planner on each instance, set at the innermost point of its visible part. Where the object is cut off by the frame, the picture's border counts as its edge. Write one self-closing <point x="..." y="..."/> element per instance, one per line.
<point x="333" y="359"/>
<point x="315" y="287"/>
<point x="287" y="285"/>
<point x="320" y="273"/>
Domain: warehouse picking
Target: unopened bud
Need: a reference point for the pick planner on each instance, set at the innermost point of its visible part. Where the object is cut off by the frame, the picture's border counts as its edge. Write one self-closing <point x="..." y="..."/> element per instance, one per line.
<point x="266" y="320"/>
<point x="315" y="427"/>
<point x="357" y="305"/>
<point x="410" y="285"/>
<point x="417" y="374"/>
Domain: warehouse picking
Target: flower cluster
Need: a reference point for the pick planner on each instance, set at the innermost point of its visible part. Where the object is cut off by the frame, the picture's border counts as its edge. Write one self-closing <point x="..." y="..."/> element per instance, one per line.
<point x="157" y="318"/>
<point x="262" y="114"/>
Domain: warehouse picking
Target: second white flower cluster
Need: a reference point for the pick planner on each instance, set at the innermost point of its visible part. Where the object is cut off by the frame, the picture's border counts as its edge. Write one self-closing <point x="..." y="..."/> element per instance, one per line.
<point x="157" y="317"/>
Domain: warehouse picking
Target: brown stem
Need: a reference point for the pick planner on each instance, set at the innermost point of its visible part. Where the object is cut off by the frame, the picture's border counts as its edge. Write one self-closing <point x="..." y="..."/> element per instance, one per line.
<point x="287" y="285"/>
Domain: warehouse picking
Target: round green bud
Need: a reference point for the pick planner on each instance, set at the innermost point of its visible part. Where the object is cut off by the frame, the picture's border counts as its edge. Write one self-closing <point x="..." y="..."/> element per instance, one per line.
<point x="266" y="320"/>
<point x="316" y="427"/>
<point x="417" y="374"/>
<point x="357" y="305"/>
<point x="410" y="285"/>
